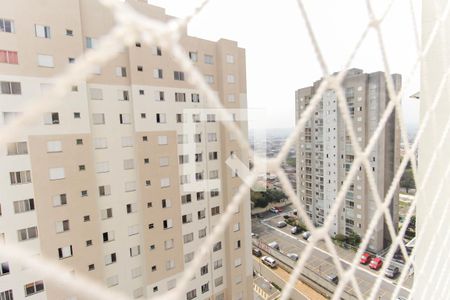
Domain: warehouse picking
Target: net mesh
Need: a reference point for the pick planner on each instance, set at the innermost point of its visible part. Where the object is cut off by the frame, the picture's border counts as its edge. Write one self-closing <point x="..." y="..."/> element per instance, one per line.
<point x="131" y="26"/>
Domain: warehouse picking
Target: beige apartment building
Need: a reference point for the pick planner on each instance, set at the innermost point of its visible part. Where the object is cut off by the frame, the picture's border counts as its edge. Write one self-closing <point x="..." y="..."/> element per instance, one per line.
<point x="325" y="155"/>
<point x="110" y="183"/>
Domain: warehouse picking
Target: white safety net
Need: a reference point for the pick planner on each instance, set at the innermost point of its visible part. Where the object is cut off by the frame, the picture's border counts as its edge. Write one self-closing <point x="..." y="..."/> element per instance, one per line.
<point x="132" y="26"/>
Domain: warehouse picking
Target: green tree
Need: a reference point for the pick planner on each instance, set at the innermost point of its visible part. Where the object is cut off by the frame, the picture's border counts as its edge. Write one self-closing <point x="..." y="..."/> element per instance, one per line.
<point x="407" y="180"/>
<point x="354" y="239"/>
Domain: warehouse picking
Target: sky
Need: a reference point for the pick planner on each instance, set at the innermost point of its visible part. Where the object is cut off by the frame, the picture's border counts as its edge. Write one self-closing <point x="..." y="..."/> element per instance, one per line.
<point x="280" y="57"/>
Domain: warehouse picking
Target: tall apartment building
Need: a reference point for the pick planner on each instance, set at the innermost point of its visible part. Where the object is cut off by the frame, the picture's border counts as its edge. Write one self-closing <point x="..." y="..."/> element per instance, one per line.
<point x="98" y="183"/>
<point x="325" y="155"/>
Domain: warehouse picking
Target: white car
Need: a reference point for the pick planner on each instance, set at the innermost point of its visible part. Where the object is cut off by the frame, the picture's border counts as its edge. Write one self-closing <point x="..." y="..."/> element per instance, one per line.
<point x="292" y="256"/>
<point x="281" y="224"/>
<point x="270" y="261"/>
<point x="274" y="245"/>
<point x="306" y="235"/>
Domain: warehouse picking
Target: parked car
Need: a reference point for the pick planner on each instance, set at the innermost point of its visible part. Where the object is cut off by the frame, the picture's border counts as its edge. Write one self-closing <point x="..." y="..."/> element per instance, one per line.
<point x="281" y="224"/>
<point x="269" y="261"/>
<point x="295" y="230"/>
<point x="333" y="278"/>
<point x="274" y="245"/>
<point x="376" y="263"/>
<point x="255" y="235"/>
<point x="285" y="216"/>
<point x="365" y="258"/>
<point x="274" y="210"/>
<point x="293" y="256"/>
<point x="391" y="271"/>
<point x="306" y="235"/>
<point x="256" y="252"/>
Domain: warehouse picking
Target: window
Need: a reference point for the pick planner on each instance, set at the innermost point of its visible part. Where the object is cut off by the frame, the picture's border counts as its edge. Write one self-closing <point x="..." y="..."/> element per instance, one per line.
<point x="7" y="26"/>
<point x="141" y="92"/>
<point x="167" y="224"/>
<point x="158" y="73"/>
<point x="137" y="293"/>
<point x="171" y="284"/>
<point x="212" y="137"/>
<point x="77" y="115"/>
<point x="198" y="137"/>
<point x="160" y="118"/>
<point x="51" y="118"/>
<point x="193" y="56"/>
<point x="33" y="288"/>
<point x="210" y="118"/>
<point x="196" y="118"/>
<point x="124" y="119"/>
<point x="110" y="259"/>
<point x="87" y="218"/>
<point x="200" y="196"/>
<point x="45" y="61"/>
<point x="184" y="179"/>
<point x="83" y="193"/>
<point x="166" y="203"/>
<point x="91" y="267"/>
<point x="204" y="270"/>
<point x="180" y="97"/>
<point x="21" y="206"/>
<point x="8" y="294"/>
<point x="213" y="155"/>
<point x="186" y="199"/>
<point x="218" y="264"/>
<point x="130" y="186"/>
<point x="237" y="262"/>
<point x="123" y="95"/>
<point x="154" y="268"/>
<point x="104" y="190"/>
<point x="135" y="251"/>
<point x="136" y="272"/>
<point x="17" y="148"/>
<point x="74" y="88"/>
<point x="214" y="193"/>
<point x="56" y="173"/>
<point x="168" y="244"/>
<point x="20" y="177"/>
<point x="102" y="167"/>
<point x="183" y="159"/>
<point x="170" y="264"/>
<point x="179" y="118"/>
<point x="62" y="226"/>
<point x="159" y="95"/>
<point x="27" y="233"/>
<point x="71" y="60"/>
<point x="236" y="227"/>
<point x="187" y="238"/>
<point x="209" y="79"/>
<point x="162" y="140"/>
<point x="65" y="252"/>
<point x="96" y="94"/>
<point x="157" y="51"/>
<point x="217" y="246"/>
<point x="198" y="157"/>
<point x="218" y="281"/>
<point x="237" y="244"/>
<point x="131" y="208"/>
<point x="195" y="98"/>
<point x="4" y="270"/>
<point x="140" y="68"/>
<point x="59" y="200"/>
<point x="79" y="141"/>
<point x="230" y="59"/>
<point x="42" y="31"/>
<point x="205" y="287"/>
<point x="100" y="143"/>
<point x="128" y="164"/>
<point x="188" y="257"/>
<point x="165" y="182"/>
<point x="163" y="161"/>
<point x="112" y="281"/>
<point x="108" y="236"/>
<point x="215" y="210"/>
<point x="202" y="233"/>
<point x="182" y="139"/>
<point x="201" y="214"/>
<point x="178" y="75"/>
<point x="106" y="213"/>
<point x="69" y="32"/>
<point x="186" y="219"/>
<point x="11" y="88"/>
<point x="209" y="59"/>
<point x="121" y="72"/>
<point x="231" y="78"/>
<point x="9" y="57"/>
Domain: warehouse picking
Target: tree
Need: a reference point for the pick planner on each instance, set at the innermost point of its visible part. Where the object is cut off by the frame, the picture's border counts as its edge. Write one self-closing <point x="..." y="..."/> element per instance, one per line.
<point x="407" y="180"/>
<point x="354" y="239"/>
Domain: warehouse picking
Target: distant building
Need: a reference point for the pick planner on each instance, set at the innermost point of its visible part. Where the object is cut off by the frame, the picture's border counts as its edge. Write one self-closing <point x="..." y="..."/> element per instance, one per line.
<point x="325" y="154"/>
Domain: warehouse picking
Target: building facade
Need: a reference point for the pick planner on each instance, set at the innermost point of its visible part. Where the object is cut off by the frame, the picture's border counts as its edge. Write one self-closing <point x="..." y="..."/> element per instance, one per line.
<point x="99" y="183"/>
<point x="325" y="155"/>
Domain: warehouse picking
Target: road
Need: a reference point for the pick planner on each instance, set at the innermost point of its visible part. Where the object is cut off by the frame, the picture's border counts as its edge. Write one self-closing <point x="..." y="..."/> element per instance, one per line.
<point x="320" y="260"/>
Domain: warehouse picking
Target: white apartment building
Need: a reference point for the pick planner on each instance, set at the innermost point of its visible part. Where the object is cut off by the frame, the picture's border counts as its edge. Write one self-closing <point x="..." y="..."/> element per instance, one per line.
<point x="325" y="155"/>
<point x="98" y="183"/>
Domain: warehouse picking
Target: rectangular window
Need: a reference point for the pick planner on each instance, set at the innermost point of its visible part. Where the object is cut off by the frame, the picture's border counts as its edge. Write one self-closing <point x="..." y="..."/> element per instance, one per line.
<point x="130" y="186"/>
<point x="187" y="238"/>
<point x="230" y="59"/>
<point x="59" y="200"/>
<point x="131" y="208"/>
<point x="170" y="264"/>
<point x="123" y="95"/>
<point x="186" y="219"/>
<point x="215" y="210"/>
<point x="209" y="79"/>
<point x="198" y="138"/>
<point x="51" y="118"/>
<point x="167" y="224"/>
<point x="11" y="88"/>
<point x="9" y="57"/>
<point x="237" y="262"/>
<point x="214" y="192"/>
<point x="188" y="257"/>
<point x="186" y="199"/>
<point x="159" y="95"/>
<point x="196" y="118"/>
<point x="96" y="93"/>
<point x="209" y="59"/>
<point x="193" y="56"/>
<point x="62" y="226"/>
<point x="7" y="26"/>
<point x="135" y="251"/>
<point x="183" y="159"/>
<point x="166" y="203"/>
<point x="217" y="246"/>
<point x="112" y="281"/>
<point x="163" y="161"/>
<point x="180" y="97"/>
<point x="158" y="73"/>
<point x="160" y="118"/>
<point x="56" y="173"/>
<point x="204" y="270"/>
<point x="213" y="155"/>
<point x="108" y="236"/>
<point x="21" y="206"/>
<point x="156" y="50"/>
<point x="100" y="143"/>
<point x="202" y="233"/>
<point x="45" y="61"/>
<point x="102" y="167"/>
<point x="178" y="75"/>
<point x="98" y="119"/>
<point x="218" y="264"/>
<point x="54" y="146"/>
<point x="121" y="72"/>
<point x="20" y="177"/>
<point x="42" y="31"/>
<point x="179" y="118"/>
<point x="104" y="190"/>
<point x="33" y="288"/>
<point x="168" y="244"/>
<point x="106" y="213"/>
<point x="184" y="179"/>
<point x="6" y="295"/>
<point x="182" y="139"/>
<point x="218" y="281"/>
<point x="201" y="214"/>
<point x="17" y="148"/>
<point x="200" y="196"/>
<point x="231" y="78"/>
<point x="205" y="288"/>
<point x="27" y="233"/>
<point x="162" y="140"/>
<point x="195" y="98"/>
<point x="124" y="118"/>
<point x="212" y="137"/>
<point x="210" y="118"/>
<point x="128" y="164"/>
<point x="110" y="259"/>
<point x="165" y="182"/>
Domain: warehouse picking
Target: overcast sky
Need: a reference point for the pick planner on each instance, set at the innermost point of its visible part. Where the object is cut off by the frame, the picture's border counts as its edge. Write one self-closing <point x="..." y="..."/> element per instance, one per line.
<point x="280" y="57"/>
